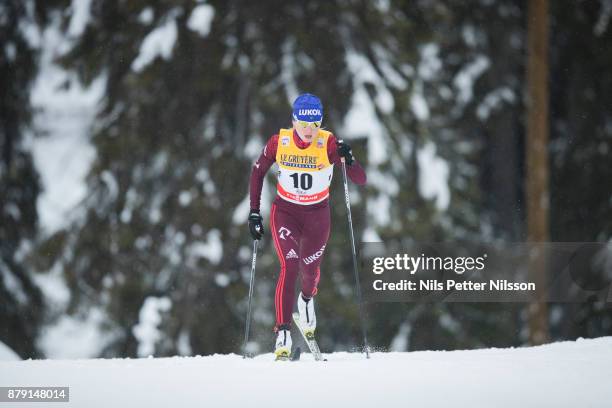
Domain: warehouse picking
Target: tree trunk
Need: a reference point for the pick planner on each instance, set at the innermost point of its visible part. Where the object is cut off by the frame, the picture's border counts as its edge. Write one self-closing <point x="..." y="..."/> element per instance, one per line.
<point x="537" y="163"/>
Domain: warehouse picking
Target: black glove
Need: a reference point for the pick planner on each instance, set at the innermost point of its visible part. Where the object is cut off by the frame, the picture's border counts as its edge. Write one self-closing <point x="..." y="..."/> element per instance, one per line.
<point x="345" y="151"/>
<point x="255" y="225"/>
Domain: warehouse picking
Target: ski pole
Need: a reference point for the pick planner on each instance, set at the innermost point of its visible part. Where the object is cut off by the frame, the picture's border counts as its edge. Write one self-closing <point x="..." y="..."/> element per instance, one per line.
<point x="350" y="222"/>
<point x="251" y="284"/>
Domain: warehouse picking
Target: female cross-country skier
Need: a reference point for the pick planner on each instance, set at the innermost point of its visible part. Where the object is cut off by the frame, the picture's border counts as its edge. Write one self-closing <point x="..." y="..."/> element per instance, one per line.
<point x="300" y="216"/>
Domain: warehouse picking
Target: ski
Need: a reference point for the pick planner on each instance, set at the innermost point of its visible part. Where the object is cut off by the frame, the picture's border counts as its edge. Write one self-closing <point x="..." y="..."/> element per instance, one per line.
<point x="310" y="340"/>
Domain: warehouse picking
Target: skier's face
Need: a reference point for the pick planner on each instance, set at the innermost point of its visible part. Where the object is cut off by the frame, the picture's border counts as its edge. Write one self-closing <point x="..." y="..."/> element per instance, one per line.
<point x="306" y="133"/>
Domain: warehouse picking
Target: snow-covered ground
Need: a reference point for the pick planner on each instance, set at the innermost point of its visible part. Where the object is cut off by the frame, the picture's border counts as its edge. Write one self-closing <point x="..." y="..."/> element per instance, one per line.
<point x="6" y="354"/>
<point x="567" y="374"/>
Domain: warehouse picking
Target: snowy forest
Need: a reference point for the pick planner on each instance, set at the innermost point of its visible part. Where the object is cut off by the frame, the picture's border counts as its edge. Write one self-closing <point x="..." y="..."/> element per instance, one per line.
<point x="128" y="130"/>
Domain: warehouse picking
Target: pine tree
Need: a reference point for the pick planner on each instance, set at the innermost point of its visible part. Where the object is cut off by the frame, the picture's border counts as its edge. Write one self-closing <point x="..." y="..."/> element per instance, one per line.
<point x="21" y="301"/>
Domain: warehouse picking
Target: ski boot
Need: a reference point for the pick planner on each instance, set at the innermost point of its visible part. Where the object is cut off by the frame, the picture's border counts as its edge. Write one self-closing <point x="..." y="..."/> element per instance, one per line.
<point x="283" y="343"/>
<point x="308" y="320"/>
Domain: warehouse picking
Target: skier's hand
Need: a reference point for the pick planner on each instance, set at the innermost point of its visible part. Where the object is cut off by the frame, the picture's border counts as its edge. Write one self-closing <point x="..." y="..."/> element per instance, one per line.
<point x="344" y="150"/>
<point x="255" y="225"/>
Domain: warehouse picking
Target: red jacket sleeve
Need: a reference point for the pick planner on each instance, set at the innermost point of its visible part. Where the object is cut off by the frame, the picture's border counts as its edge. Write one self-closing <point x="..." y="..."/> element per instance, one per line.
<point x="260" y="168"/>
<point x="354" y="172"/>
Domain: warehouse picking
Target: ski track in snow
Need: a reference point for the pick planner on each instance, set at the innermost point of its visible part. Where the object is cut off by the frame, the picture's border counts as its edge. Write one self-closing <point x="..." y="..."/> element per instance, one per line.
<point x="565" y="374"/>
